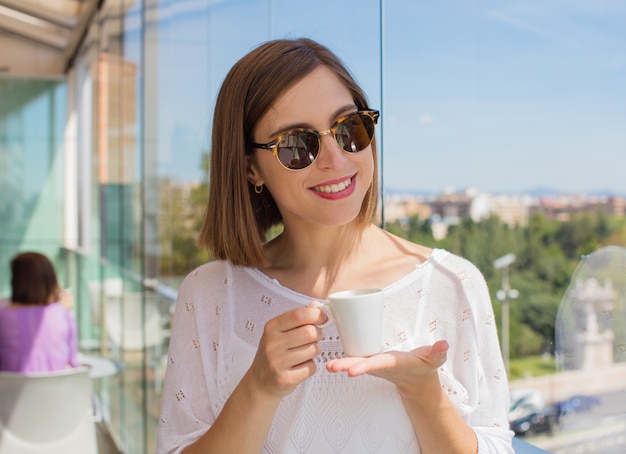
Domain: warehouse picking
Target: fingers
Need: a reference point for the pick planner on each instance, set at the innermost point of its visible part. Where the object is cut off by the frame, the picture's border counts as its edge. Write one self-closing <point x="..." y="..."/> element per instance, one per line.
<point x="294" y="318"/>
<point x="395" y="365"/>
<point x="286" y="350"/>
<point x="356" y="366"/>
<point x="282" y="382"/>
<point x="291" y="339"/>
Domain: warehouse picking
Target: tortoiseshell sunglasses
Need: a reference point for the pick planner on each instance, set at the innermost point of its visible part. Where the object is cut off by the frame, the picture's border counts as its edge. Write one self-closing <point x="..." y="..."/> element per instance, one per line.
<point x="298" y="148"/>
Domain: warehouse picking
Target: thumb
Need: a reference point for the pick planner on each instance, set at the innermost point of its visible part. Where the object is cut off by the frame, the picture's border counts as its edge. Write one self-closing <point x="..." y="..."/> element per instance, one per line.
<point x="440" y="349"/>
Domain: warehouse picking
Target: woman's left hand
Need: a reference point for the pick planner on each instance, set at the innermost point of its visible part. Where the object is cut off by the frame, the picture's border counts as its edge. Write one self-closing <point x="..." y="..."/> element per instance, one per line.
<point x="400" y="368"/>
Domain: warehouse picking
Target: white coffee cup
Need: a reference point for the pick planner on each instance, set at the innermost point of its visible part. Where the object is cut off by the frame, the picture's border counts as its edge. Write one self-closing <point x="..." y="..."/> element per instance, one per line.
<point x="358" y="315"/>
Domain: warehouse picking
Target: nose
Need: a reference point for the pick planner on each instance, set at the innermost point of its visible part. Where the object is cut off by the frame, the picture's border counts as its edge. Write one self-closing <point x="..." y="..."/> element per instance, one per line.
<point x="331" y="156"/>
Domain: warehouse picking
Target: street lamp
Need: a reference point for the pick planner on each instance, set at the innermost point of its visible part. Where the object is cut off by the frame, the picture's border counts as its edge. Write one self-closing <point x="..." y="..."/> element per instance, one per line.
<point x="504" y="295"/>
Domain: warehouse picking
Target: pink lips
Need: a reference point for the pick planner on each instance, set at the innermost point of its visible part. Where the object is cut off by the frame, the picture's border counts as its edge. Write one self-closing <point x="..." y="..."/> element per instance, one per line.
<point x="336" y="189"/>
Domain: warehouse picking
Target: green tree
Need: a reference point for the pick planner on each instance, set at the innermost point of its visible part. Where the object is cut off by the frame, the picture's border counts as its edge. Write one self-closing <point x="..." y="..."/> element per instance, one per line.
<point x="547" y="252"/>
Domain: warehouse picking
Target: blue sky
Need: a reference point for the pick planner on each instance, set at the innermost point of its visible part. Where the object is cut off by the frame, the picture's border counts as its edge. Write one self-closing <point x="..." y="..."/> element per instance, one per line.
<point x="507" y="96"/>
<point x="501" y="96"/>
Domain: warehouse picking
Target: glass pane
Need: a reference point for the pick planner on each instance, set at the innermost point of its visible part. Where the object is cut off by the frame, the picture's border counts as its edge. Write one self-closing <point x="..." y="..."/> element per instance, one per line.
<point x="504" y="133"/>
<point x="32" y="115"/>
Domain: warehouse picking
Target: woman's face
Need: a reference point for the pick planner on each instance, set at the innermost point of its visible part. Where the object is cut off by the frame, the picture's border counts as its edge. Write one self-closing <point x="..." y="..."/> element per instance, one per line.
<point x="331" y="190"/>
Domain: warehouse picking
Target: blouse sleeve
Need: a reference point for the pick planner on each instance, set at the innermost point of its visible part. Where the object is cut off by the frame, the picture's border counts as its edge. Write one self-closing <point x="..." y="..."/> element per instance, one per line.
<point x="185" y="403"/>
<point x="475" y="375"/>
<point x="72" y="340"/>
<point x="491" y="416"/>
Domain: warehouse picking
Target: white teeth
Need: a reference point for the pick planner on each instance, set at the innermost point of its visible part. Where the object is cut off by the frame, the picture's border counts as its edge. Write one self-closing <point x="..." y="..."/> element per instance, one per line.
<point x="334" y="187"/>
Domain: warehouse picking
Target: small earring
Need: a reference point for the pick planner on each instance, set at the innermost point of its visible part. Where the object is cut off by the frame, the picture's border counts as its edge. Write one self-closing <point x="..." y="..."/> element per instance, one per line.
<point x="258" y="189"/>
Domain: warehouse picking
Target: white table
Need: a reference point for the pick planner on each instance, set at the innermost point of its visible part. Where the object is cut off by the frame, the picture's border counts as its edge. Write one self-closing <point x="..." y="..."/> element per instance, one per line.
<point x="99" y="367"/>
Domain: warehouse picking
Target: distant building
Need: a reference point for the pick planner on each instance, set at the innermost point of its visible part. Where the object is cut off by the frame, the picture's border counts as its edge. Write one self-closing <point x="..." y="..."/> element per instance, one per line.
<point x="616" y="206"/>
<point x="404" y="206"/>
<point x="563" y="207"/>
<point x="511" y="210"/>
<point x="449" y="207"/>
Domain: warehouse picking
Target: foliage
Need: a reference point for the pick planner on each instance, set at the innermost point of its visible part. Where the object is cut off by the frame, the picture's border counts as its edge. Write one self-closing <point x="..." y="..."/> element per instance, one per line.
<point x="182" y="208"/>
<point x="533" y="366"/>
<point x="547" y="252"/>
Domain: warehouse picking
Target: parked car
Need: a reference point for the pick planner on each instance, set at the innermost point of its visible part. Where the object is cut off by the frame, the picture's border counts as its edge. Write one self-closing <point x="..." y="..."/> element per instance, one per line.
<point x="545" y="420"/>
<point x="577" y="403"/>
<point x="525" y="402"/>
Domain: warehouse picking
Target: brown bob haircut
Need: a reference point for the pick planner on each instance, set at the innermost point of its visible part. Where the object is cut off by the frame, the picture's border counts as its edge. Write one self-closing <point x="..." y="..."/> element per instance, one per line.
<point x="33" y="279"/>
<point x="237" y="219"/>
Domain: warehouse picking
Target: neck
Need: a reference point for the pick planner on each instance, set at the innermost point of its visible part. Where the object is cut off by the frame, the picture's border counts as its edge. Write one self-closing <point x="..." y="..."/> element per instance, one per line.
<point x="312" y="262"/>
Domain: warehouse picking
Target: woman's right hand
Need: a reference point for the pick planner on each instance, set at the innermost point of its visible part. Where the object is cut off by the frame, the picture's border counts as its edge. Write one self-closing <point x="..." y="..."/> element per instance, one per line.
<point x="283" y="360"/>
<point x="286" y="352"/>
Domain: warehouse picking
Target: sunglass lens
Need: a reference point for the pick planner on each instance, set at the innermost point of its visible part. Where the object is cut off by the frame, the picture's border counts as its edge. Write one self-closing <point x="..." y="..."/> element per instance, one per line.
<point x="355" y="133"/>
<point x="298" y="149"/>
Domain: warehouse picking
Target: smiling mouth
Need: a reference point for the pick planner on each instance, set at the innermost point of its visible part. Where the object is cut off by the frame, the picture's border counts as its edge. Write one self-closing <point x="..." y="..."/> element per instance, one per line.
<point x="336" y="187"/>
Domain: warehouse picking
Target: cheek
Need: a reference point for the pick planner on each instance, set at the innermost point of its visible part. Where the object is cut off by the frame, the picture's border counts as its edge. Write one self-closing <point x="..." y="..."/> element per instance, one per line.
<point x="280" y="183"/>
<point x="367" y="166"/>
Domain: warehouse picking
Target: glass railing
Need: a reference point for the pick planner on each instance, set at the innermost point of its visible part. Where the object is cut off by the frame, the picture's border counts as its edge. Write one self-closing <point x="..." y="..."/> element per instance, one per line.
<point x="124" y="321"/>
<point x="581" y="407"/>
<point x="124" y="328"/>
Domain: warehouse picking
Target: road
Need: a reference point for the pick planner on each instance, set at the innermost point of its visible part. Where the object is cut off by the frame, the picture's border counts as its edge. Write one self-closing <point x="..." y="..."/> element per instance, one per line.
<point x="601" y="430"/>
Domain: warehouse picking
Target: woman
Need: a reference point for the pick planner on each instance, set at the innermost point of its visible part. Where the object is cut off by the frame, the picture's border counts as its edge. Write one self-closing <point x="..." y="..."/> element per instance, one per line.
<point x="249" y="370"/>
<point x="37" y="331"/>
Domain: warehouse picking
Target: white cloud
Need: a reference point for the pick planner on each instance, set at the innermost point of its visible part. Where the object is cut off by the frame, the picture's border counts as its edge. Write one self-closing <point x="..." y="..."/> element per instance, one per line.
<point x="426" y="119"/>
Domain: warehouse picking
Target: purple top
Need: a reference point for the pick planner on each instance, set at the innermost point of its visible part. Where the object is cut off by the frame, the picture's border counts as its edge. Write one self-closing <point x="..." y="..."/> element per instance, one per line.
<point x="38" y="338"/>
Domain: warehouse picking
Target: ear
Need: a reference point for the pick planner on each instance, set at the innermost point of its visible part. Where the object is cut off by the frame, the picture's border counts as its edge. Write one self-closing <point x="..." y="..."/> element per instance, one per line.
<point x="252" y="171"/>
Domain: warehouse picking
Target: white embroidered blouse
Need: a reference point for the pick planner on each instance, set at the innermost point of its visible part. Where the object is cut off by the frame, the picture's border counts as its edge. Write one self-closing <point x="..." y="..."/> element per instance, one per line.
<point x="219" y="318"/>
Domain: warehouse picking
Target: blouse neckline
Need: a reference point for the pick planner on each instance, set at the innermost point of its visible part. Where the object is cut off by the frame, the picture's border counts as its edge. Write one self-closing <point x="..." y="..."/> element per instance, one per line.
<point x="275" y="284"/>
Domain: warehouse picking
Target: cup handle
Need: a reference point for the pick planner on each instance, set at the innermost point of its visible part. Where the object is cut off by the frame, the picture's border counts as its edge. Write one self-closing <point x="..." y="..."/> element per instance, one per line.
<point x="329" y="318"/>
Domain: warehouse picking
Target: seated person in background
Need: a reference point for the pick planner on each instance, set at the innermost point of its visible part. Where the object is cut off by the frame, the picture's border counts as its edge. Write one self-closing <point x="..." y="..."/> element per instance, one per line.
<point x="37" y="331"/>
